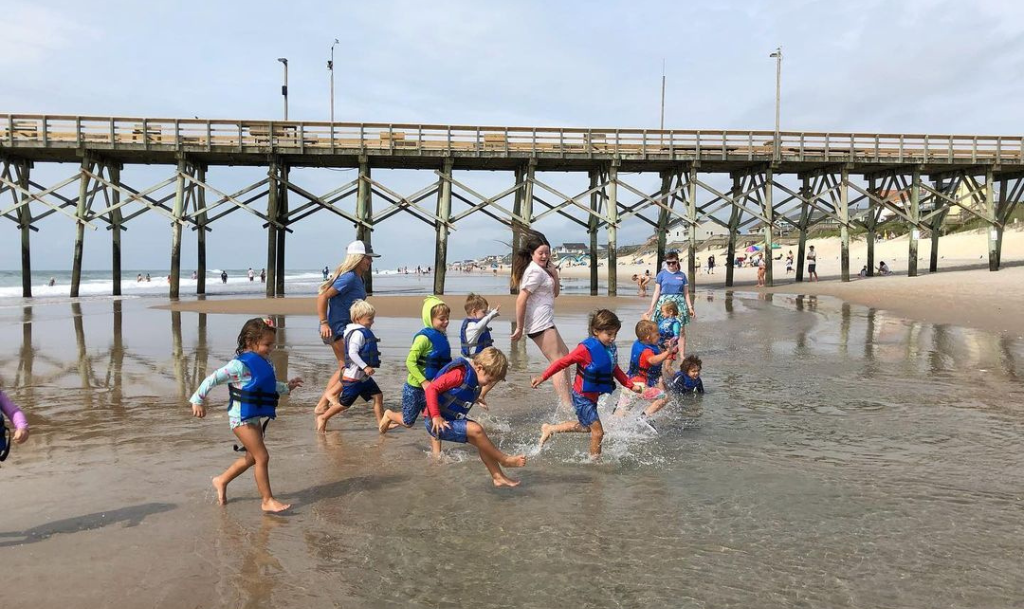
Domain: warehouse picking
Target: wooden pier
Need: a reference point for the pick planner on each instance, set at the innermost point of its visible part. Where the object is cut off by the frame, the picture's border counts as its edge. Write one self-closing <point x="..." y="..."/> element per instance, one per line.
<point x="798" y="179"/>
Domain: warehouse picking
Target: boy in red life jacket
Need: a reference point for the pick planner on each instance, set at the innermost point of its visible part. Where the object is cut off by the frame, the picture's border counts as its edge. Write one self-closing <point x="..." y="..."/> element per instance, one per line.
<point x="595" y="370"/>
<point x="452" y="394"/>
<point x="645" y="366"/>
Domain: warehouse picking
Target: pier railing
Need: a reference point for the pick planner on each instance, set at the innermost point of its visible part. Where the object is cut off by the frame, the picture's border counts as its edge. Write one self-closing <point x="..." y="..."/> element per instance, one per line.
<point x="50" y="131"/>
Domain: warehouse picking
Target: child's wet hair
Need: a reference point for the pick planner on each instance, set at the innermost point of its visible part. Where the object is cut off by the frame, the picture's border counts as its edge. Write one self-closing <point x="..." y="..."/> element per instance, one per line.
<point x="493" y="362"/>
<point x="253" y="330"/>
<point x="690" y="362"/>
<point x="361" y="309"/>
<point x="603" y="320"/>
<point x="671" y="307"/>
<point x="475" y="302"/>
<point x="440" y="309"/>
<point x="645" y="328"/>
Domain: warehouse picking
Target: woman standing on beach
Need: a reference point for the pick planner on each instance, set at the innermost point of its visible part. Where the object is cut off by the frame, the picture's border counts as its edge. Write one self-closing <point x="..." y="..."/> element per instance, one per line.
<point x="336" y="296"/>
<point x="671" y="285"/>
<point x="536" y="278"/>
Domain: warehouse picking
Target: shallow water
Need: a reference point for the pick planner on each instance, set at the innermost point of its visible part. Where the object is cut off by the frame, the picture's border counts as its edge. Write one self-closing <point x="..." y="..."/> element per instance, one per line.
<point x="842" y="457"/>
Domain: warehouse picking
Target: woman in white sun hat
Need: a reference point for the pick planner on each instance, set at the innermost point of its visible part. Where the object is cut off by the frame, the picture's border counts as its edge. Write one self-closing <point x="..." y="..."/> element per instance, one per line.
<point x="336" y="296"/>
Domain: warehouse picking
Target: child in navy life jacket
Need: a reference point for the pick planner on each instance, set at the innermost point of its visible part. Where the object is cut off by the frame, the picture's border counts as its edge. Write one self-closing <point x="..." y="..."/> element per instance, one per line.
<point x="362" y="358"/>
<point x="687" y="380"/>
<point x="452" y="394"/>
<point x="12" y="412"/>
<point x="429" y="353"/>
<point x="253" y="392"/>
<point x="645" y="365"/>
<point x="596" y="371"/>
<point x="474" y="335"/>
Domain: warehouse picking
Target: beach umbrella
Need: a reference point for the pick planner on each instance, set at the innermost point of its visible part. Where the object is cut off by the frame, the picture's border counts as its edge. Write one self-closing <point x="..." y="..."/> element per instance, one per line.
<point x="776" y="246"/>
<point x="753" y="248"/>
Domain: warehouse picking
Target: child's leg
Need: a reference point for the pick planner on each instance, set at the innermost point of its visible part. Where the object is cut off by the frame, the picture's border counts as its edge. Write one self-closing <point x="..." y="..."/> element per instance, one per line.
<point x="596" y="436"/>
<point x="546" y="430"/>
<point x="389" y="420"/>
<point x="233" y="471"/>
<point x="321" y="419"/>
<point x="251" y="437"/>
<point x="330" y="393"/>
<point x="378" y="408"/>
<point x="682" y="341"/>
<point x="655" y="406"/>
<point x="476" y="436"/>
<point x="435" y="447"/>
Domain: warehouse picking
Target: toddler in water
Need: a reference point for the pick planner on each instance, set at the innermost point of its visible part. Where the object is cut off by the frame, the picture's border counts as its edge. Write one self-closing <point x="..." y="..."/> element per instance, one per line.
<point x="362" y="358"/>
<point x="474" y="335"/>
<point x="687" y="380"/>
<point x="253" y="393"/>
<point x="12" y="412"/>
<point x="645" y="365"/>
<point x="668" y="331"/>
<point x="596" y="367"/>
<point x="452" y="394"/>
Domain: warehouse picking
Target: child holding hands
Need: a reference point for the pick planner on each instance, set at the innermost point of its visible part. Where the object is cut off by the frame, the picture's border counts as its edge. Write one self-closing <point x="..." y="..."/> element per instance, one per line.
<point x="596" y="367"/>
<point x="253" y="394"/>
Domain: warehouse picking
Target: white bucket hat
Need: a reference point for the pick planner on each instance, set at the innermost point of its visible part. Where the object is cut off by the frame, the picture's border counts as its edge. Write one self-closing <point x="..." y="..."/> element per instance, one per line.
<point x="358" y="247"/>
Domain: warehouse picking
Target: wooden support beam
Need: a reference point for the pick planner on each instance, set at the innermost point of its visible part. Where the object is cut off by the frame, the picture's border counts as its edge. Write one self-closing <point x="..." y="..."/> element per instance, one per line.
<point x="915" y="217"/>
<point x="282" y="218"/>
<point x="595" y="206"/>
<point x="805" y="214"/>
<point x="871" y="225"/>
<point x="734" y="220"/>
<point x="844" y="224"/>
<point x="994" y="230"/>
<point x="768" y="210"/>
<point x="691" y="230"/>
<point x="936" y="220"/>
<point x="25" y="222"/>
<point x="177" y="213"/>
<point x="116" y="224"/>
<point x="81" y="209"/>
<point x="613" y="219"/>
<point x="663" y="216"/>
<point x="364" y="211"/>
<point x="201" y="217"/>
<point x="272" y="227"/>
<point x="444" y="212"/>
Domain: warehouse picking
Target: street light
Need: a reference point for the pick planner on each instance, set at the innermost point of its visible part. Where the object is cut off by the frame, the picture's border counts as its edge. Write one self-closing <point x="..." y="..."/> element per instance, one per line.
<point x="330" y="68"/>
<point x="778" y="84"/>
<point x="284" y="88"/>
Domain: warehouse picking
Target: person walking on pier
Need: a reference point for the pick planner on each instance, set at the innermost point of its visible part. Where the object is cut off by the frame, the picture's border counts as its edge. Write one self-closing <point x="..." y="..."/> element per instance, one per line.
<point x="536" y="278"/>
<point x="333" y="303"/>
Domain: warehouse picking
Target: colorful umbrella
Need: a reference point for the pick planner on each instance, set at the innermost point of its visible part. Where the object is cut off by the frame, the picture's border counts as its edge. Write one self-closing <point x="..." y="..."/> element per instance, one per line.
<point x="753" y="248"/>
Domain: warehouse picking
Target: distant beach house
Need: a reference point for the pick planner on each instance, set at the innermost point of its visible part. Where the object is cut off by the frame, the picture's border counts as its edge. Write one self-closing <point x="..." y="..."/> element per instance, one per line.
<point x="679" y="231"/>
<point x="571" y="249"/>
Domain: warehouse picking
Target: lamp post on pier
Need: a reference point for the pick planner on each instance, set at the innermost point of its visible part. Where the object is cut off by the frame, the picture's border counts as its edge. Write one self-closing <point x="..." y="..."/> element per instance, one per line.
<point x="330" y="68"/>
<point x="284" y="88"/>
<point x="778" y="85"/>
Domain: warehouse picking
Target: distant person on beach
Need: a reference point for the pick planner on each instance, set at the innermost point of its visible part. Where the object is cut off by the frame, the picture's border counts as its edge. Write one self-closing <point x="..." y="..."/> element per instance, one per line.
<point x="139" y="278"/>
<point x="671" y="285"/>
<point x="333" y="305"/>
<point x="252" y="275"/>
<point x="711" y="264"/>
<point x="641" y="284"/>
<point x="326" y="271"/>
<point x="761" y="272"/>
<point x="363" y="359"/>
<point x="12" y="412"/>
<point x="53" y="281"/>
<point x="148" y="278"/>
<point x="537" y="280"/>
<point x="223" y="276"/>
<point x="789" y="262"/>
<point x="452" y="394"/>
<point x="195" y="275"/>
<point x="863" y="271"/>
<point x="812" y="264"/>
<point x="263" y="276"/>
<point x="428" y="354"/>
<point x="253" y="394"/>
<point x="596" y="373"/>
<point x="883" y="268"/>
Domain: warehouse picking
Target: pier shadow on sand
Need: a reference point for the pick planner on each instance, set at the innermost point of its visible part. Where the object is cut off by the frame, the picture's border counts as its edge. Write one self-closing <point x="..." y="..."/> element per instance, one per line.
<point x="130" y="516"/>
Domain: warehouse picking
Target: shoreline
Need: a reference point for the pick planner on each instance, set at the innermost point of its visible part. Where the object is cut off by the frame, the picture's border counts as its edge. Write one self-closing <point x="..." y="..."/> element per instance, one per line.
<point x="974" y="298"/>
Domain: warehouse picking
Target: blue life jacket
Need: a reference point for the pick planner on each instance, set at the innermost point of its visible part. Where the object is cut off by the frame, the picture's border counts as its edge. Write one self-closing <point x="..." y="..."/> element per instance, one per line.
<point x="483" y="340"/>
<point x="258" y="398"/>
<point x="665" y="331"/>
<point x="455" y="403"/>
<point x="369" y="351"/>
<point x="653" y="372"/>
<point x="5" y="440"/>
<point x="598" y="374"/>
<point x="682" y="383"/>
<point x="440" y="352"/>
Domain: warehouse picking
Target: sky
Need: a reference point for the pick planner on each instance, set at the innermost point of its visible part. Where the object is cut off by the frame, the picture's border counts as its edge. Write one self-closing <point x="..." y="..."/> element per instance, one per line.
<point x="912" y="66"/>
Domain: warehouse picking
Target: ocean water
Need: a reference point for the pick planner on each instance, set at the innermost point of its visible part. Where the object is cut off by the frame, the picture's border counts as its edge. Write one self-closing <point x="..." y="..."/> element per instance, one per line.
<point x="842" y="457"/>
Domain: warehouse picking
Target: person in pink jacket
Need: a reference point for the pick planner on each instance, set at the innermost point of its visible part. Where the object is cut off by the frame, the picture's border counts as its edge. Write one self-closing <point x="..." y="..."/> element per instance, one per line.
<point x="17" y="417"/>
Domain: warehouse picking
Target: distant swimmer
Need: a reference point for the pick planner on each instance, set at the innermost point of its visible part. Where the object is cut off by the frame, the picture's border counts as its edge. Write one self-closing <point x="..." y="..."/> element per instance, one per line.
<point x="252" y="275"/>
<point x="195" y="275"/>
<point x="263" y="276"/>
<point x="223" y="276"/>
<point x="53" y="281"/>
<point x="148" y="278"/>
<point x="139" y="278"/>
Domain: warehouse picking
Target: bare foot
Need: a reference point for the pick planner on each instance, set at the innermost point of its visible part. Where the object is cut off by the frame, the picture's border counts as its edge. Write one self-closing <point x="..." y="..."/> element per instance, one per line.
<point x="545" y="434"/>
<point x="514" y="461"/>
<point x="503" y="480"/>
<point x="321" y="423"/>
<point x="222" y="490"/>
<point x="385" y="423"/>
<point x="273" y="505"/>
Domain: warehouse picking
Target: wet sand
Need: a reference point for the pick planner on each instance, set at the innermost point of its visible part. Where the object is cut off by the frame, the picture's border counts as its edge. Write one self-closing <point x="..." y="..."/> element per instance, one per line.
<point x="842" y="457"/>
<point x="974" y="298"/>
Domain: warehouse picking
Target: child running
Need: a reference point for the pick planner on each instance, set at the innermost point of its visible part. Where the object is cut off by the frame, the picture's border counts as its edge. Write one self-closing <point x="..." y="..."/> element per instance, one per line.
<point x="253" y="393"/>
<point x="668" y="331"/>
<point x="645" y="364"/>
<point x="12" y="412"/>
<point x="475" y="335"/>
<point x="361" y="361"/>
<point x="429" y="353"/>
<point x="595" y="368"/>
<point x="452" y="394"/>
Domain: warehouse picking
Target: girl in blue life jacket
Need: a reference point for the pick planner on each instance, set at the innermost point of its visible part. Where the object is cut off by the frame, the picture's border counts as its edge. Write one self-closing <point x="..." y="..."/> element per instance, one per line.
<point x="253" y="392"/>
